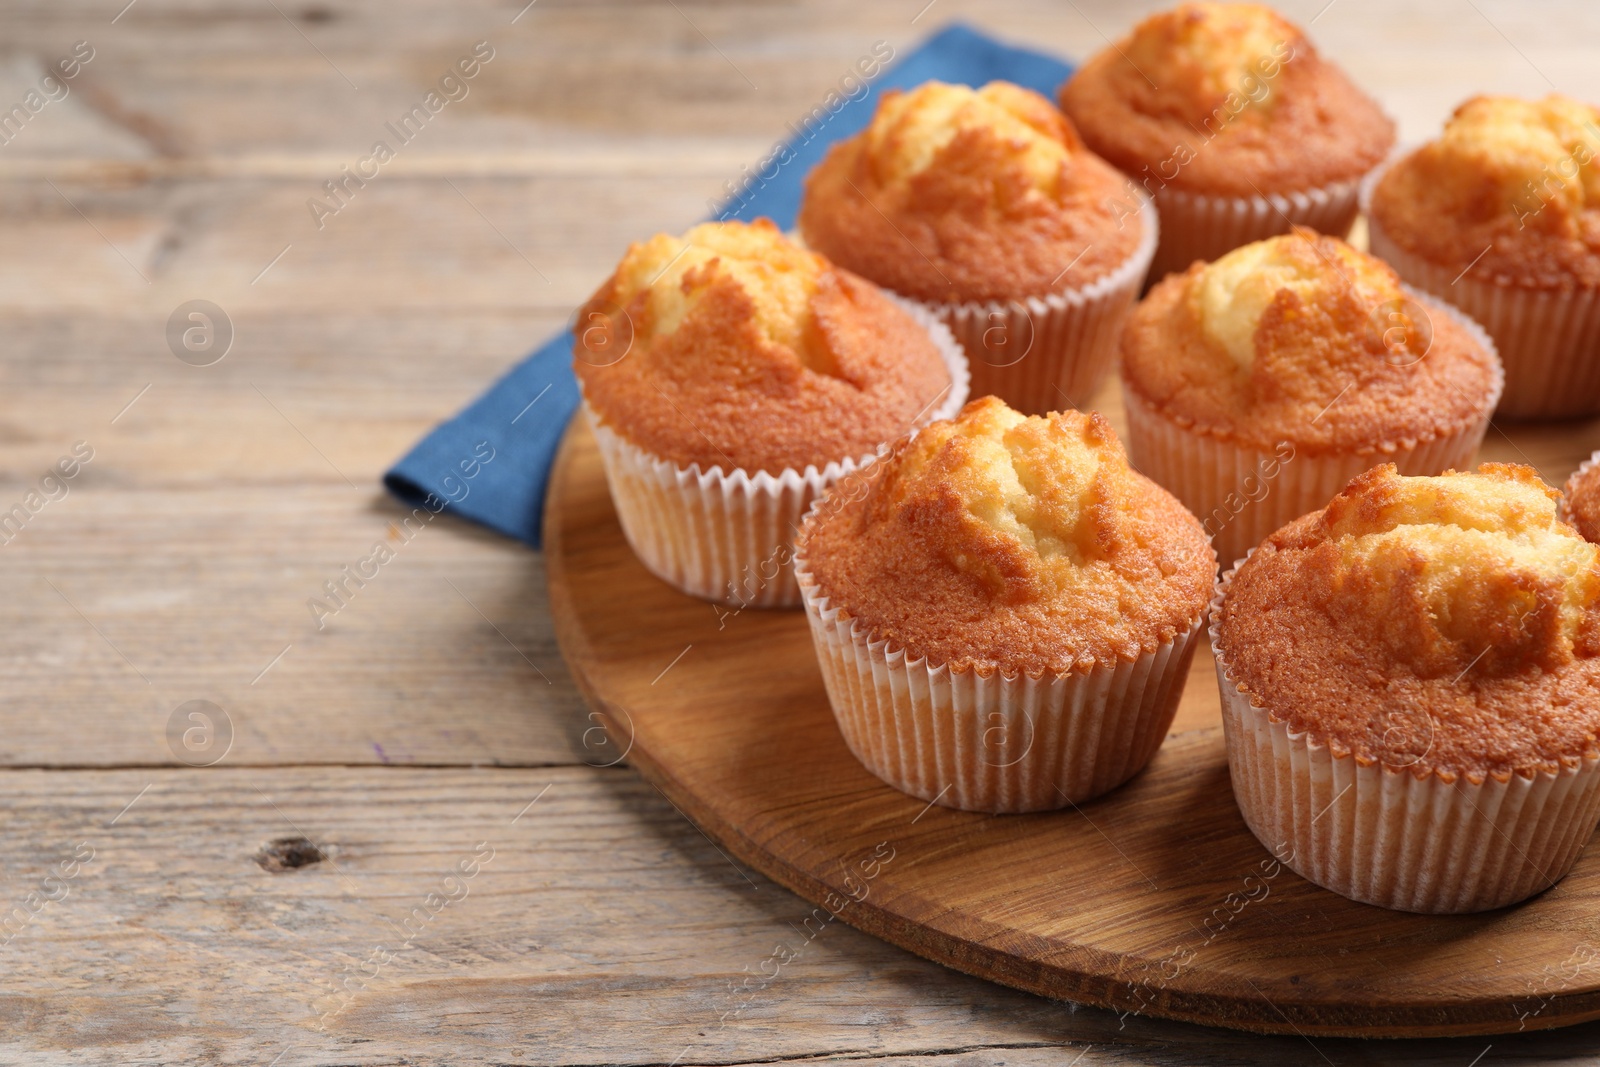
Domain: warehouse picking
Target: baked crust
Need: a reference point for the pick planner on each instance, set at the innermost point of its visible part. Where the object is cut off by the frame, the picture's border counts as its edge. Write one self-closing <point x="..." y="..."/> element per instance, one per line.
<point x="1510" y="189"/>
<point x="959" y="195"/>
<point x="1445" y="625"/>
<point x="998" y="542"/>
<point x="1583" y="500"/>
<point x="1225" y="100"/>
<point x="1327" y="370"/>
<point x="740" y="350"/>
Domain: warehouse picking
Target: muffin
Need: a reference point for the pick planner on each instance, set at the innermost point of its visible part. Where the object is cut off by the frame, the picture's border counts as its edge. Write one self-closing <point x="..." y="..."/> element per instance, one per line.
<point x="1226" y="114"/>
<point x="1580" y="503"/>
<point x="1501" y="217"/>
<point x="729" y="377"/>
<point x="1258" y="385"/>
<point x="1004" y="611"/>
<point x="984" y="205"/>
<point x="1411" y="690"/>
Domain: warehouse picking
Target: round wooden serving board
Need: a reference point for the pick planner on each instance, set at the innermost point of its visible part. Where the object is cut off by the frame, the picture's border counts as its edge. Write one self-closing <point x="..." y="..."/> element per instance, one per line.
<point x="1154" y="899"/>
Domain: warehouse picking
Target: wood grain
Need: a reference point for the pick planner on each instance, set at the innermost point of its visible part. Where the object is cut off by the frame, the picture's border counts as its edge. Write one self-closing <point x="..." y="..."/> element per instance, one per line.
<point x="1155" y="899"/>
<point x="190" y="147"/>
<point x="581" y="942"/>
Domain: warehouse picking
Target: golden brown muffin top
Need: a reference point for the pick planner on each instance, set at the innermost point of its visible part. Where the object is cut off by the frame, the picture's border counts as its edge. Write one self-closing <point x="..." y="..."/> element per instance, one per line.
<point x="731" y="347"/>
<point x="1226" y="100"/>
<point x="1301" y="338"/>
<point x="958" y="194"/>
<point x="1583" y="500"/>
<point x="1020" y="544"/>
<point x="1448" y="625"/>
<point x="1515" y="182"/>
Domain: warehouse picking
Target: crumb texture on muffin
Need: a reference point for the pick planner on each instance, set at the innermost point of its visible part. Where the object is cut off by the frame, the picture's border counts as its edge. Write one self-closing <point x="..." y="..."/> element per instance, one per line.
<point x="997" y="541"/>
<point x="1301" y="338"/>
<point x="1233" y="294"/>
<point x="732" y="347"/>
<point x="1583" y="500"/>
<point x="1205" y="97"/>
<point x="1515" y="182"/>
<point x="956" y="194"/>
<point x="1446" y="625"/>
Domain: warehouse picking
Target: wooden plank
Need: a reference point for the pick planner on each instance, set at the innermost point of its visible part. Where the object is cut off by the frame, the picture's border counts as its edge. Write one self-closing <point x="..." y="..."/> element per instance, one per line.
<point x="605" y="929"/>
<point x="467" y="244"/>
<point x="572" y="78"/>
<point x="444" y="657"/>
<point x="408" y="641"/>
<point x="192" y="143"/>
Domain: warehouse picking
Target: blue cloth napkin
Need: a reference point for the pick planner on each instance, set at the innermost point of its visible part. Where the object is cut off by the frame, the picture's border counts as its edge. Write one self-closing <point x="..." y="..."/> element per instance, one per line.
<point x="491" y="462"/>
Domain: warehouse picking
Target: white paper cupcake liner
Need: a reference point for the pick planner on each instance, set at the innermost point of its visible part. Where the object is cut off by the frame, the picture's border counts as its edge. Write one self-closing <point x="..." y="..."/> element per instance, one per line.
<point x="1050" y="353"/>
<point x="990" y="742"/>
<point x="1383" y="836"/>
<point x="1242" y="494"/>
<point x="1195" y="226"/>
<point x="1549" y="340"/>
<point x="729" y="537"/>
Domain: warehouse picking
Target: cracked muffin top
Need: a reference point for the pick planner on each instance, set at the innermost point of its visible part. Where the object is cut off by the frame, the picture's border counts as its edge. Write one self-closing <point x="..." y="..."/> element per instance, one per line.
<point x="1019" y="544"/>
<point x="960" y="194"/>
<point x="1583" y="500"/>
<point x="1447" y="625"/>
<point x="1511" y="188"/>
<point x="1205" y="97"/>
<point x="732" y="347"/>
<point x="1301" y="338"/>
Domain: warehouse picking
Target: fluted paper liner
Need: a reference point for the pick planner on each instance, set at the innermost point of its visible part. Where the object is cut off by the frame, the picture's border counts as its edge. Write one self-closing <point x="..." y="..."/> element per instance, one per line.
<point x="1068" y="340"/>
<point x="988" y="742"/>
<point x="729" y="537"/>
<point x="1196" y="226"/>
<point x="1242" y="494"/>
<point x="1384" y="836"/>
<point x="1549" y="339"/>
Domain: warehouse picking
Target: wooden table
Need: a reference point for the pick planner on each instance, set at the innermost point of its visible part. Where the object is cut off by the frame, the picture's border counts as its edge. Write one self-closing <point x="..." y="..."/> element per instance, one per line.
<point x="471" y="886"/>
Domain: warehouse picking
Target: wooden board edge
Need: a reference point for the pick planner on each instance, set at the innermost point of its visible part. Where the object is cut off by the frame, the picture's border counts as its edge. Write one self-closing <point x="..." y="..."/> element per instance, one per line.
<point x="1056" y="983"/>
